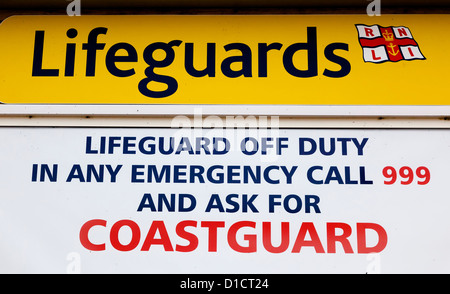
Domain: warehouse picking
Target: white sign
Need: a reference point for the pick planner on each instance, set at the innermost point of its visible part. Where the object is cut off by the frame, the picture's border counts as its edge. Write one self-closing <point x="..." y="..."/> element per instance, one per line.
<point x="124" y="200"/>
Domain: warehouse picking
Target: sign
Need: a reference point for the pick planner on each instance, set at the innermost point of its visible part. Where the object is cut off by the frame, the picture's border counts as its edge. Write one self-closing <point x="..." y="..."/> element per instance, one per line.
<point x="128" y="200"/>
<point x="257" y="59"/>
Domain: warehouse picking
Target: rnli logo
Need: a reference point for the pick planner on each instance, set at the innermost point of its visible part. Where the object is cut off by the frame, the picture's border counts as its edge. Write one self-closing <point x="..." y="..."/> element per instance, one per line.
<point x="381" y="44"/>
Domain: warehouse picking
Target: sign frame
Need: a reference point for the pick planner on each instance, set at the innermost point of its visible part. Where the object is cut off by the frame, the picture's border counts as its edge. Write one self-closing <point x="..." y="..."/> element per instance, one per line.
<point x="289" y="116"/>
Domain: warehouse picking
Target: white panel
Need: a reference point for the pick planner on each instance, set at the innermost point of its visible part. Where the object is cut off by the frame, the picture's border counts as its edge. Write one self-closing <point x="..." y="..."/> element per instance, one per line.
<point x="40" y="221"/>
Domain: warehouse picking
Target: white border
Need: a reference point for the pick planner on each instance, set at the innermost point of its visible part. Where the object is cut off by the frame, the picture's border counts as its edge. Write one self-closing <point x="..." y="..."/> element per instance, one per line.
<point x="221" y="110"/>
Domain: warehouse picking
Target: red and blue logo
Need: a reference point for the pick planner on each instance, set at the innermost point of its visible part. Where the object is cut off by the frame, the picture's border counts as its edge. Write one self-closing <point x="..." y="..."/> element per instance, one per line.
<point x="381" y="44"/>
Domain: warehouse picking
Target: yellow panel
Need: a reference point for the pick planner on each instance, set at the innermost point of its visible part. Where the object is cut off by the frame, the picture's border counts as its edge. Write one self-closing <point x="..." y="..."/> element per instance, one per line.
<point x="24" y="40"/>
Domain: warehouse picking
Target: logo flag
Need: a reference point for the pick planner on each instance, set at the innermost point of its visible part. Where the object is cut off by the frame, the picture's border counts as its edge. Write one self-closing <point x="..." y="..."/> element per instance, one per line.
<point x="381" y="44"/>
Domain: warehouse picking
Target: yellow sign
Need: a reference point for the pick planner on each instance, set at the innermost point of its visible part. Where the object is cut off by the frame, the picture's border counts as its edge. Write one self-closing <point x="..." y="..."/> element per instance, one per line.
<point x="239" y="59"/>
